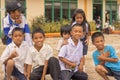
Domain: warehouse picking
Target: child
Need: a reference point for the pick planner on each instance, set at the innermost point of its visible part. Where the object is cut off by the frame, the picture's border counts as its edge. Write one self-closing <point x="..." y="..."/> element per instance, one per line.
<point x="105" y="58"/>
<point x="14" y="19"/>
<point x="40" y="60"/>
<point x="71" y="56"/>
<point x="65" y="34"/>
<point x="80" y="18"/>
<point x="14" y="55"/>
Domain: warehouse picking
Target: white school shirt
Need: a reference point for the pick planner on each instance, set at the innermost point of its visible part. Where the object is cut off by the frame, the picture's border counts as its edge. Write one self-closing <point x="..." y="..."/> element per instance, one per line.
<point x="72" y="53"/>
<point x="38" y="58"/>
<point x="60" y="42"/>
<point x="22" y="53"/>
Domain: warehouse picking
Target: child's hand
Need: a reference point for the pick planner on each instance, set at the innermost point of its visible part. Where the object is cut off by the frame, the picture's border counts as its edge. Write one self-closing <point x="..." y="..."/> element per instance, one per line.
<point x="73" y="65"/>
<point x="80" y="68"/>
<point x="107" y="54"/>
<point x="14" y="54"/>
<point x="101" y="57"/>
<point x="42" y="78"/>
<point x="86" y="41"/>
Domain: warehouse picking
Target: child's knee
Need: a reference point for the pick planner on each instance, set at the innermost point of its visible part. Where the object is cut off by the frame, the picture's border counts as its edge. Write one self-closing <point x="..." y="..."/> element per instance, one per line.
<point x="98" y="68"/>
<point x="10" y="62"/>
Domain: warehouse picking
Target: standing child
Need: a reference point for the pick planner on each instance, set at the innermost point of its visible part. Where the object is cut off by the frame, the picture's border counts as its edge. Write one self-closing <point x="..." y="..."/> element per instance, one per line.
<point x="65" y="34"/>
<point x="71" y="56"/>
<point x="40" y="60"/>
<point x="80" y="18"/>
<point x="14" y="19"/>
<point x="105" y="58"/>
<point x="14" y="55"/>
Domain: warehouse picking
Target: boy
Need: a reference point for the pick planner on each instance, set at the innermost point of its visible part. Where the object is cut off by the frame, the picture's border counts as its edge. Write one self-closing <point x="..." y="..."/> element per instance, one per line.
<point x="14" y="55"/>
<point x="105" y="58"/>
<point x="65" y="34"/>
<point x="40" y="60"/>
<point x="14" y="19"/>
<point x="71" y="56"/>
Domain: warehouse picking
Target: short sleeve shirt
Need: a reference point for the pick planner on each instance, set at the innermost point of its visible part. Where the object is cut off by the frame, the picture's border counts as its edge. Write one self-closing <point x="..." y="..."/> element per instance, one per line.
<point x="38" y="58"/>
<point x="115" y="66"/>
<point x="72" y="53"/>
<point x="21" y="51"/>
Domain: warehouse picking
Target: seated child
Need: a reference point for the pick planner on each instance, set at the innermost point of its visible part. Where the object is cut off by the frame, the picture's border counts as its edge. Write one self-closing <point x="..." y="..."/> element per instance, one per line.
<point x="39" y="59"/>
<point x="71" y="56"/>
<point x="14" y="55"/>
<point x="105" y="58"/>
<point x="65" y="34"/>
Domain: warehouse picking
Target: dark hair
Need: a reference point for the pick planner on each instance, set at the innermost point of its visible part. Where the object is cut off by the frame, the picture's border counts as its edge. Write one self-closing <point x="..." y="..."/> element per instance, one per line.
<point x="80" y="11"/>
<point x="96" y="34"/>
<point x="76" y="25"/>
<point x="17" y="29"/>
<point x="13" y="5"/>
<point x="38" y="30"/>
<point x="65" y="29"/>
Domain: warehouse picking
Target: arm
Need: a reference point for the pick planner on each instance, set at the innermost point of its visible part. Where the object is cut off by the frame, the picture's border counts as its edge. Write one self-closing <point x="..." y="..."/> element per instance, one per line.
<point x="80" y="67"/>
<point x="44" y="70"/>
<point x="13" y="55"/>
<point x="107" y="59"/>
<point x="67" y="62"/>
<point x="29" y="67"/>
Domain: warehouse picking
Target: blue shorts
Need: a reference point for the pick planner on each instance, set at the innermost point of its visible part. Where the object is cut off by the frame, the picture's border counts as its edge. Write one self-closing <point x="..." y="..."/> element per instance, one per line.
<point x="16" y="73"/>
<point x="115" y="74"/>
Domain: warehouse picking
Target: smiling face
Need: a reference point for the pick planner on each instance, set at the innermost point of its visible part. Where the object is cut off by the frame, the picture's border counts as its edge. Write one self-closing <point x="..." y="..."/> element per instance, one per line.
<point x="17" y="37"/>
<point x="79" y="18"/>
<point x="77" y="32"/>
<point x="99" y="42"/>
<point x="38" y="39"/>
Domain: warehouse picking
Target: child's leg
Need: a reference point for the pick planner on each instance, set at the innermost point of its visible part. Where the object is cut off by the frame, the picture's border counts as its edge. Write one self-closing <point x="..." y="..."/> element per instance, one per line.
<point x="116" y="75"/>
<point x="37" y="73"/>
<point x="102" y="71"/>
<point x="66" y="75"/>
<point x="80" y="76"/>
<point x="54" y="68"/>
<point x="9" y="68"/>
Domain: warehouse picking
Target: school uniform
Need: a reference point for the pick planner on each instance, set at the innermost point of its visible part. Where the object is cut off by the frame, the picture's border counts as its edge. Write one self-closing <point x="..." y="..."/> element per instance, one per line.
<point x="37" y="60"/>
<point x="9" y="24"/>
<point x="19" y="60"/>
<point x="72" y="53"/>
<point x="83" y="39"/>
<point x="112" y="67"/>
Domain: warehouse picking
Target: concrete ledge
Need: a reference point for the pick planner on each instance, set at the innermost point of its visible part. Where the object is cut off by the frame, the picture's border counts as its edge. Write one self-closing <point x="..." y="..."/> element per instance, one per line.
<point x="50" y="35"/>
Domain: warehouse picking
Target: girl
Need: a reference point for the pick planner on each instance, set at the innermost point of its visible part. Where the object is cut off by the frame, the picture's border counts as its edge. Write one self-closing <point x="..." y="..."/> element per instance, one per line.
<point x="65" y="34"/>
<point x="80" y="18"/>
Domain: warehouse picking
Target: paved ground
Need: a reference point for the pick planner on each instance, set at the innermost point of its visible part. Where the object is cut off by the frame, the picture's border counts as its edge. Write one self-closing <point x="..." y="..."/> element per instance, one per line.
<point x="112" y="39"/>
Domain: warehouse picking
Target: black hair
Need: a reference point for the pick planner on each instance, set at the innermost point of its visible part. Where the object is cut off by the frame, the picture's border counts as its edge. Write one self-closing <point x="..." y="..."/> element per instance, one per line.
<point x="17" y="29"/>
<point x="76" y="25"/>
<point x="96" y="34"/>
<point x="38" y="30"/>
<point x="80" y="11"/>
<point x="65" y="29"/>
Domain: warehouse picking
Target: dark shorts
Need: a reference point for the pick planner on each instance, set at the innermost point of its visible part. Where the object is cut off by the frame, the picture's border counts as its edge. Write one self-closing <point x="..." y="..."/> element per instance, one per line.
<point x="115" y="74"/>
<point x="16" y="73"/>
<point x="85" y="47"/>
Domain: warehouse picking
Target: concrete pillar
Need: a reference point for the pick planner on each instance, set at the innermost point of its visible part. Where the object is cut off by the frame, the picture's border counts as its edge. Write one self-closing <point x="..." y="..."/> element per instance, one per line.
<point x="118" y="9"/>
<point x="34" y="9"/>
<point x="103" y="12"/>
<point x="2" y="10"/>
<point x="86" y="5"/>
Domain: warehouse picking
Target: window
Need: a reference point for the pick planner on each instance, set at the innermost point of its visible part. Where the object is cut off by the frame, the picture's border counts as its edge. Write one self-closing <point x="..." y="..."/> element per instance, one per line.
<point x="111" y="10"/>
<point x="56" y="10"/>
